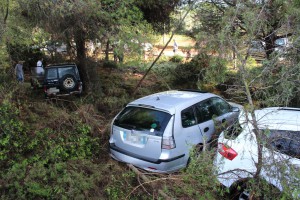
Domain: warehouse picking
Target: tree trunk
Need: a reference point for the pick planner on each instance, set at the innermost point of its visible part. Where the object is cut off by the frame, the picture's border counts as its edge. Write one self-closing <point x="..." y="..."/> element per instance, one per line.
<point x="81" y="59"/>
<point x="107" y="50"/>
<point x="270" y="44"/>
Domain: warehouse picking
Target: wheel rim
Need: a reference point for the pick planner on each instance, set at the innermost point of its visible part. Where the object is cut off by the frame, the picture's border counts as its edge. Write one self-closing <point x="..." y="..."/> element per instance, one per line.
<point x="69" y="83"/>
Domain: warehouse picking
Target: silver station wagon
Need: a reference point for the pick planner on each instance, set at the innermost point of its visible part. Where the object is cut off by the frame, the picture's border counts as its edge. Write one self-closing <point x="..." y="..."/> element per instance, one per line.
<point x="157" y="132"/>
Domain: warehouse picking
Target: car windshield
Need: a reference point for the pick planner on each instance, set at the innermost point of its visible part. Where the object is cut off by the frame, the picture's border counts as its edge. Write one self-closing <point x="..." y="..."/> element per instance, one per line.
<point x="143" y="119"/>
<point x="284" y="141"/>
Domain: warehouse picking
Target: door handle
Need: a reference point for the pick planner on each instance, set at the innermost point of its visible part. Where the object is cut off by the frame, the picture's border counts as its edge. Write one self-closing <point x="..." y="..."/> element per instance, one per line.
<point x="206" y="129"/>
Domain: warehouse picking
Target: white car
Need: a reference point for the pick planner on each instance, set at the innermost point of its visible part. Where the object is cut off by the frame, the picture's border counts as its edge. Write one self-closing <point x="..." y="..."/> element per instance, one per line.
<point x="237" y="154"/>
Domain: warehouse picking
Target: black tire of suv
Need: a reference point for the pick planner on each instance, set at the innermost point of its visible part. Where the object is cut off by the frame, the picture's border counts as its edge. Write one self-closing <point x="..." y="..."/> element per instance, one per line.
<point x="68" y="83"/>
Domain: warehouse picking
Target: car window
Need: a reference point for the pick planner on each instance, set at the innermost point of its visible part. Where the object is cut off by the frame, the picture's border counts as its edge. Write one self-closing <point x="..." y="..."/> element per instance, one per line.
<point x="52" y="73"/>
<point x="220" y="107"/>
<point x="66" y="70"/>
<point x="204" y="111"/>
<point x="284" y="141"/>
<point x="188" y="117"/>
<point x="138" y="118"/>
<point x="233" y="131"/>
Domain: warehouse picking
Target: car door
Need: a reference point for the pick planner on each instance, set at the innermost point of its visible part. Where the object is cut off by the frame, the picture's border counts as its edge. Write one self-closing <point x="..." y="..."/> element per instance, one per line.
<point x="204" y="115"/>
<point x="223" y="115"/>
<point x="190" y="128"/>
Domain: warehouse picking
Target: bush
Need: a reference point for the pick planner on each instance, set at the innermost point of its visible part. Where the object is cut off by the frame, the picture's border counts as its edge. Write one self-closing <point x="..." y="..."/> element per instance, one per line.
<point x="177" y="59"/>
<point x="45" y="163"/>
<point x="202" y="68"/>
<point x="110" y="64"/>
<point x="197" y="181"/>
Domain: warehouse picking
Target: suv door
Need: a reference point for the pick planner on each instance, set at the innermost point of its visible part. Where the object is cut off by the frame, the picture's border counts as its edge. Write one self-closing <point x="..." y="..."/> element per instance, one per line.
<point x="51" y="77"/>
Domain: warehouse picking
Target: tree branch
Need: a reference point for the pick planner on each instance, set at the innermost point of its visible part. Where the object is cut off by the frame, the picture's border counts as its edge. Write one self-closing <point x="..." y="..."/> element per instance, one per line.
<point x="153" y="63"/>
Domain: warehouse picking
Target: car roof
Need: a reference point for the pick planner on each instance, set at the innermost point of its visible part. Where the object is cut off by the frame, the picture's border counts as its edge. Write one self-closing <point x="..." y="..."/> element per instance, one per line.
<point x="172" y="99"/>
<point x="278" y="118"/>
<point x="60" y="65"/>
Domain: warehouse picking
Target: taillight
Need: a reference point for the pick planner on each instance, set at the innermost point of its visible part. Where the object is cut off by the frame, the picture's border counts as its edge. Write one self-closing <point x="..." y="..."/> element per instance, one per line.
<point x="227" y="152"/>
<point x="168" y="143"/>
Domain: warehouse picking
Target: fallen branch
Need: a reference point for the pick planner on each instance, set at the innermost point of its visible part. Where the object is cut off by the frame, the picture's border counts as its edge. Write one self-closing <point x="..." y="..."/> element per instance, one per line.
<point x="147" y="181"/>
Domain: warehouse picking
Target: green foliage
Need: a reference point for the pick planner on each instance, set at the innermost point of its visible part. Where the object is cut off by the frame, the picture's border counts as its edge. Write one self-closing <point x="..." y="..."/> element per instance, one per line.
<point x="177" y="59"/>
<point x="29" y="54"/>
<point x="60" y="180"/>
<point x="116" y="190"/>
<point x="13" y="136"/>
<point x="274" y="84"/>
<point x="45" y="163"/>
<point x="198" y="180"/>
<point x="201" y="69"/>
<point x="110" y="64"/>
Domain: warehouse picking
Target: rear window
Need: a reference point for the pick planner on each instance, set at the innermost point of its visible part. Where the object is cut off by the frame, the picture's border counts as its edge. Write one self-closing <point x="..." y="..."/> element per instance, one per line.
<point x="143" y="119"/>
<point x="51" y="73"/>
<point x="66" y="70"/>
<point x="59" y="72"/>
<point x="284" y="141"/>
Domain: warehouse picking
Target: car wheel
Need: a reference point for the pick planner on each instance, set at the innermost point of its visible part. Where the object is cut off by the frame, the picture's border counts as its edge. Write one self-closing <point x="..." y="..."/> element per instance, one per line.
<point x="68" y="83"/>
<point x="197" y="151"/>
<point x="240" y="190"/>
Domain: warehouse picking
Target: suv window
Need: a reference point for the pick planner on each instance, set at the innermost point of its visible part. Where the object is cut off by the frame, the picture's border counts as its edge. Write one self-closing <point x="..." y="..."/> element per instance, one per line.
<point x="52" y="73"/>
<point x="138" y="118"/>
<point x="66" y="70"/>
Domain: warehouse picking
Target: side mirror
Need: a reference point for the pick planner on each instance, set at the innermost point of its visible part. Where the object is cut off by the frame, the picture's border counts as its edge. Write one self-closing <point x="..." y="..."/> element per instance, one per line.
<point x="235" y="109"/>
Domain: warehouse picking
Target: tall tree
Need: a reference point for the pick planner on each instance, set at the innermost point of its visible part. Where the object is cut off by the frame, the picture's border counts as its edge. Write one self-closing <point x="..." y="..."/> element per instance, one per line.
<point x="158" y="12"/>
<point x="81" y="20"/>
<point x="274" y="82"/>
<point x="4" y="15"/>
<point x="276" y="23"/>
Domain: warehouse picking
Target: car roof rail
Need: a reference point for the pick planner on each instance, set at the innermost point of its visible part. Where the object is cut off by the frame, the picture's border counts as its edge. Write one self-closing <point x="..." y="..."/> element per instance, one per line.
<point x="193" y="90"/>
<point x="289" y="108"/>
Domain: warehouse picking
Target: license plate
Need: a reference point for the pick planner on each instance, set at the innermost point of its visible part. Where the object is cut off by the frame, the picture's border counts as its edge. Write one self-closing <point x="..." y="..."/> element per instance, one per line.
<point x="134" y="138"/>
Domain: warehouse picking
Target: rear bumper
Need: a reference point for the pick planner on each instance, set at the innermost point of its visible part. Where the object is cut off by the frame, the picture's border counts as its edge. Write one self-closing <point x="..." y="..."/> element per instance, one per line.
<point x="61" y="94"/>
<point x="149" y="164"/>
<point x="54" y="91"/>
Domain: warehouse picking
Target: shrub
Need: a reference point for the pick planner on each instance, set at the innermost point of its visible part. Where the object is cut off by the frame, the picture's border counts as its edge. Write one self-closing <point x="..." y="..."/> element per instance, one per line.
<point x="202" y="68"/>
<point x="177" y="59"/>
<point x="110" y="64"/>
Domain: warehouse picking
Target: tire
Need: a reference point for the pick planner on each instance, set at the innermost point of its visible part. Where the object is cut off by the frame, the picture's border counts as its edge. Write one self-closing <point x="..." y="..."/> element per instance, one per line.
<point x="68" y="83"/>
<point x="239" y="190"/>
<point x="197" y="151"/>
